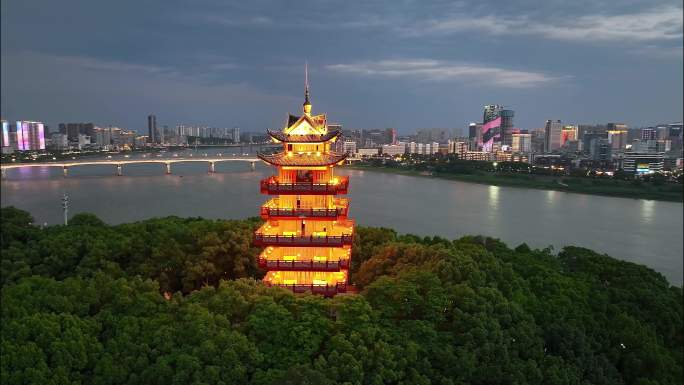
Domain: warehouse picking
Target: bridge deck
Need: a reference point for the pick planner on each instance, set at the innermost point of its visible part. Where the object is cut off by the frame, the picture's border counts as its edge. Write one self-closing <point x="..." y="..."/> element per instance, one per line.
<point x="127" y="161"/>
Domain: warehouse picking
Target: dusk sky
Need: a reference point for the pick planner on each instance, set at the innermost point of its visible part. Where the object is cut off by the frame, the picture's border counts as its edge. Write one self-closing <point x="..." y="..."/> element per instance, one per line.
<point x="372" y="64"/>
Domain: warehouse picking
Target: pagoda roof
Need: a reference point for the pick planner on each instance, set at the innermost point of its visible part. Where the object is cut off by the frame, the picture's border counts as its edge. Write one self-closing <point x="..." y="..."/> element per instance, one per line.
<point x="315" y="138"/>
<point x="306" y="124"/>
<point x="282" y="159"/>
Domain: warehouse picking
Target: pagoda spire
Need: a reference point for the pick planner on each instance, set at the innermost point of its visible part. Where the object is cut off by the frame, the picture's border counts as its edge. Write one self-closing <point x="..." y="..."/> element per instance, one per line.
<point x="307" y="102"/>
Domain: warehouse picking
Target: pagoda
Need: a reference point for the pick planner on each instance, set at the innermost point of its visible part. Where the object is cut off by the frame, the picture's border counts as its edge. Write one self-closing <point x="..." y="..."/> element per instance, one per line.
<point x="307" y="235"/>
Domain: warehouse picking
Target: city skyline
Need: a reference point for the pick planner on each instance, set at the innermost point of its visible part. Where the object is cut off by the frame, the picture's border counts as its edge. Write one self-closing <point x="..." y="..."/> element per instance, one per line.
<point x="372" y="65"/>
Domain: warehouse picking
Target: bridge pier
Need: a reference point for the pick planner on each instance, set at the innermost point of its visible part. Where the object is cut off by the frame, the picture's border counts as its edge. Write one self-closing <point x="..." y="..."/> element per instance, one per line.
<point x="212" y="167"/>
<point x="4" y="173"/>
<point x="252" y="165"/>
<point x="65" y="171"/>
<point x="168" y="168"/>
<point x="119" y="169"/>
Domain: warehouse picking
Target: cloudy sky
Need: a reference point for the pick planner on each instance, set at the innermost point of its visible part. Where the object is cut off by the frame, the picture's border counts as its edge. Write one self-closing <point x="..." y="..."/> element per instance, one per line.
<point x="394" y="63"/>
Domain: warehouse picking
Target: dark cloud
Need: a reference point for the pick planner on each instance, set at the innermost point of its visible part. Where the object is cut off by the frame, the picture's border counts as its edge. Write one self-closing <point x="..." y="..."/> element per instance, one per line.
<point x="406" y="63"/>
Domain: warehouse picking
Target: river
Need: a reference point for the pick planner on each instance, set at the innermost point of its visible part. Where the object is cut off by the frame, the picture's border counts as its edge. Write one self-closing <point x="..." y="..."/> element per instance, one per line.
<point x="643" y="231"/>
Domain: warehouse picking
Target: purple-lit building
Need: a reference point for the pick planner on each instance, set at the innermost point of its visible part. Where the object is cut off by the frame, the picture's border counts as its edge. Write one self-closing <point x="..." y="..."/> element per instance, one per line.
<point x="497" y="128"/>
<point x="5" y="134"/>
<point x="30" y="135"/>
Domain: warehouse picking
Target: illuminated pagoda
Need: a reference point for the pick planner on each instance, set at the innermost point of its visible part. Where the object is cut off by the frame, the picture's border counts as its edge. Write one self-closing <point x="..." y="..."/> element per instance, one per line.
<point x="307" y="235"/>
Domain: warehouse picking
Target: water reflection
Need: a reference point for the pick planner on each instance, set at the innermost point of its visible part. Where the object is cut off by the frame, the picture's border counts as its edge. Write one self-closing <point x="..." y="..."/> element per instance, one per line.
<point x="647" y="210"/>
<point x="493" y="196"/>
<point x="551" y="197"/>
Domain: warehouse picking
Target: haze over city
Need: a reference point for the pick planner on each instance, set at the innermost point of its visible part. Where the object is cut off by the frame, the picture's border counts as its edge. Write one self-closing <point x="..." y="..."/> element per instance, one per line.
<point x="404" y="64"/>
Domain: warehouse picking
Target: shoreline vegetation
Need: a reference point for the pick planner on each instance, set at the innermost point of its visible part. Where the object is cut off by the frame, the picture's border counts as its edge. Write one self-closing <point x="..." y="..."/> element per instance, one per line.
<point x="179" y="300"/>
<point x="671" y="192"/>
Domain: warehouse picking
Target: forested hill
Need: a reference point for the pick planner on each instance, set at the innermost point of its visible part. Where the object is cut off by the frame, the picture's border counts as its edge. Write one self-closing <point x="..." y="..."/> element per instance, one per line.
<point x="84" y="304"/>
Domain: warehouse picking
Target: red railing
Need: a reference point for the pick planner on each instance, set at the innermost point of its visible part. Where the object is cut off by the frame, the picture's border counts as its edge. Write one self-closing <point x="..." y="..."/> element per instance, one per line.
<point x="271" y="212"/>
<point x="304" y="265"/>
<point x="261" y="239"/>
<point x="272" y="186"/>
<point x="326" y="290"/>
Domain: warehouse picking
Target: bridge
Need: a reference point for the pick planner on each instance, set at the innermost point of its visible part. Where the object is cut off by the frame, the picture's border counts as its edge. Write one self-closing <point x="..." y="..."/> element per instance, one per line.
<point x="119" y="163"/>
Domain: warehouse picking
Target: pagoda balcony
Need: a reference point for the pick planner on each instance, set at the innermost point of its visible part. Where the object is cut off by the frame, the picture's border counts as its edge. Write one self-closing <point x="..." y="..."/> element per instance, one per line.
<point x="310" y="265"/>
<point x="326" y="290"/>
<point x="272" y="186"/>
<point x="262" y="239"/>
<point x="273" y="210"/>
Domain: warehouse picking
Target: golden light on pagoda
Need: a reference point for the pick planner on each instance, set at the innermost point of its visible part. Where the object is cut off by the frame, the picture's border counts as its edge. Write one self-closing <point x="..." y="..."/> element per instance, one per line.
<point x="307" y="235"/>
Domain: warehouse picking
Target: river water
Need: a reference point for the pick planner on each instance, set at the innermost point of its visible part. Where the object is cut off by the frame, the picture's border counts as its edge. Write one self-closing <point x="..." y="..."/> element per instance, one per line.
<point x="642" y="231"/>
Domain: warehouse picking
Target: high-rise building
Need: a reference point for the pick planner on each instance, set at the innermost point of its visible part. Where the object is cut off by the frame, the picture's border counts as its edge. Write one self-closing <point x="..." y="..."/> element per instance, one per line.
<point x="353" y="135"/>
<point x="552" y="135"/>
<point x="5" y="133"/>
<point x="643" y="163"/>
<point x="59" y="141"/>
<point x="616" y="127"/>
<point x="568" y="134"/>
<point x="506" y="127"/>
<point x="491" y="127"/>
<point x="458" y="147"/>
<point x="378" y="137"/>
<point x="497" y="128"/>
<point x="475" y="136"/>
<point x="236" y="135"/>
<point x="491" y="112"/>
<point x="391" y="135"/>
<point x="73" y="130"/>
<point x="307" y="235"/>
<point x="600" y="150"/>
<point x="521" y="142"/>
<point x="393" y="150"/>
<point x="30" y="135"/>
<point x="617" y="139"/>
<point x="428" y="135"/>
<point x="349" y="147"/>
<point x="650" y="133"/>
<point x="152" y="129"/>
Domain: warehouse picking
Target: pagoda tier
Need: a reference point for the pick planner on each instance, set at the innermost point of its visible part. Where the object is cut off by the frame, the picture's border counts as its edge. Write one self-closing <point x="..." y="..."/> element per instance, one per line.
<point x="325" y="290"/>
<point x="276" y="185"/>
<point x="302" y="160"/>
<point x="305" y="259"/>
<point x="312" y="138"/>
<point x="326" y="207"/>
<point x="300" y="232"/>
<point x="307" y="235"/>
<point x="325" y="283"/>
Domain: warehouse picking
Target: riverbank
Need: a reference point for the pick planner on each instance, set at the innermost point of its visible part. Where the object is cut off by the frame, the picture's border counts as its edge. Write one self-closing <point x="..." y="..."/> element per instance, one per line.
<point x="613" y="188"/>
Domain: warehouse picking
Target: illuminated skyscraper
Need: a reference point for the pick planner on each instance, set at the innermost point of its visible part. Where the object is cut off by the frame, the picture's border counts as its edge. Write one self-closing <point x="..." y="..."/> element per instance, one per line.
<point x="552" y="135"/>
<point x="30" y="136"/>
<point x="497" y="127"/>
<point x="617" y="138"/>
<point x="5" y="133"/>
<point x="307" y="235"/>
<point x="491" y="127"/>
<point x="521" y="142"/>
<point x="568" y="134"/>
